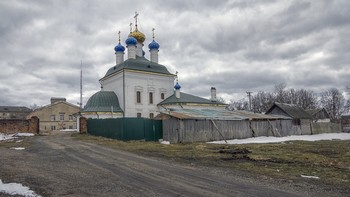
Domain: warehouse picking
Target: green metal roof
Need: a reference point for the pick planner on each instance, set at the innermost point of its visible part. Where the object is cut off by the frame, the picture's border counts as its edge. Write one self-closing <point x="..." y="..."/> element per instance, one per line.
<point x="103" y="101"/>
<point x="138" y="64"/>
<point x="188" y="98"/>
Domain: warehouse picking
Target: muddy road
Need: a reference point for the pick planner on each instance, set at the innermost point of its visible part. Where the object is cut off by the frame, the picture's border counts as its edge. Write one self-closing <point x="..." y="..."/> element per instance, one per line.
<point x="57" y="165"/>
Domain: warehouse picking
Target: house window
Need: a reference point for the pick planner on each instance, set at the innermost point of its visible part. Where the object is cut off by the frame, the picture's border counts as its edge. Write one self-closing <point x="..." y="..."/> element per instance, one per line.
<point x="151" y="115"/>
<point x="138" y="115"/>
<point x="61" y="116"/>
<point x="53" y="118"/>
<point x="70" y="117"/>
<point x="70" y="127"/>
<point x="53" y="128"/>
<point x="151" y="98"/>
<point x="162" y="96"/>
<point x="138" y="97"/>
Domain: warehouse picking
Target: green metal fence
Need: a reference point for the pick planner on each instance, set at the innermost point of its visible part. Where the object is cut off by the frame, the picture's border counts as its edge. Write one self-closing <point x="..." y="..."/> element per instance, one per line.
<point x="126" y="128"/>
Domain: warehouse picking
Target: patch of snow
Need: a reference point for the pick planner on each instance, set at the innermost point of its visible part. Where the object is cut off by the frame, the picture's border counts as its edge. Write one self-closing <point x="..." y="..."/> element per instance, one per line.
<point x="75" y="130"/>
<point x="23" y="134"/>
<point x="16" y="189"/>
<point x="163" y="142"/>
<point x="310" y="177"/>
<point x="18" y="141"/>
<point x="264" y="139"/>
<point x="4" y="137"/>
<point x="17" y="148"/>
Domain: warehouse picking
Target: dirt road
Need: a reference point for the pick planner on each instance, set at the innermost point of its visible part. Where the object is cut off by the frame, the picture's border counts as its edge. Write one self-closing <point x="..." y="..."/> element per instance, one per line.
<point x="60" y="166"/>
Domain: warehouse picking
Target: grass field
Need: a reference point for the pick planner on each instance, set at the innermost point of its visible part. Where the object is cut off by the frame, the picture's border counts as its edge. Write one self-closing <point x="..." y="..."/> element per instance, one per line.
<point x="328" y="160"/>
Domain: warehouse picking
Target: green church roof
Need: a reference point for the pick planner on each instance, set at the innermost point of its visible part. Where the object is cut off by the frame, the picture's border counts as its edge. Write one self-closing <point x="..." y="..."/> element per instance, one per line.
<point x="103" y="101"/>
<point x="139" y="64"/>
<point x="188" y="98"/>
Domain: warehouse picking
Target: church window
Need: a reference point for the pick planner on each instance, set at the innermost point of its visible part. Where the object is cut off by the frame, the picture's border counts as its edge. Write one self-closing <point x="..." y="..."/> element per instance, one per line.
<point x="138" y="97"/>
<point x="162" y="96"/>
<point x="151" y="115"/>
<point x="61" y="116"/>
<point x="151" y="98"/>
<point x="138" y="115"/>
<point x="70" y="127"/>
<point x="53" y="128"/>
<point x="70" y="117"/>
<point x="53" y="118"/>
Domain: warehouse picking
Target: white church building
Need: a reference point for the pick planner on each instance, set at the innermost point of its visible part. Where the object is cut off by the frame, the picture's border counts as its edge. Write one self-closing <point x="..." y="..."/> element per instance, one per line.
<point x="138" y="87"/>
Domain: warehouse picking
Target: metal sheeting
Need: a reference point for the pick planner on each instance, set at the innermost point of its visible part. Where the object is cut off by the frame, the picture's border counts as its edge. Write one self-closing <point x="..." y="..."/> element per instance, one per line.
<point x="216" y="114"/>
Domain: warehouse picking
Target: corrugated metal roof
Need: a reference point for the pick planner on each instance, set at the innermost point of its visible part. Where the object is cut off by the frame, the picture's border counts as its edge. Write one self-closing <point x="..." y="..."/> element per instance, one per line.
<point x="216" y="114"/>
<point x="188" y="98"/>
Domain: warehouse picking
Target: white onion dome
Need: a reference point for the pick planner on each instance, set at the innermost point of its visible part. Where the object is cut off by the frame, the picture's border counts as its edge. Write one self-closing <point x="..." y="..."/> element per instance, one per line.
<point x="153" y="45"/>
<point x="119" y="48"/>
<point x="177" y="86"/>
<point x="130" y="41"/>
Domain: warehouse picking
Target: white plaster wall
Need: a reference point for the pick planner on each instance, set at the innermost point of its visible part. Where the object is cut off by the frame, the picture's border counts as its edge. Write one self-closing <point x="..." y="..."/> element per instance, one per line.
<point x="143" y="82"/>
<point x="146" y="83"/>
<point x="115" y="84"/>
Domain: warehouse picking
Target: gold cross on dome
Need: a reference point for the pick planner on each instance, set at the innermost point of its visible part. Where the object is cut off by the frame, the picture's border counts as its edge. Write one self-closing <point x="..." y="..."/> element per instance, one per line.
<point x="136" y="15"/>
<point x="153" y="32"/>
<point x="119" y="36"/>
<point x="130" y="27"/>
<point x="177" y="79"/>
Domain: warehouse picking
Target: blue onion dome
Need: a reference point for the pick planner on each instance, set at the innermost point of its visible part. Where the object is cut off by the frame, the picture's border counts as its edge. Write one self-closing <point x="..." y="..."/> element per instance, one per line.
<point x="119" y="48"/>
<point x="131" y="41"/>
<point x="177" y="86"/>
<point x="153" y="45"/>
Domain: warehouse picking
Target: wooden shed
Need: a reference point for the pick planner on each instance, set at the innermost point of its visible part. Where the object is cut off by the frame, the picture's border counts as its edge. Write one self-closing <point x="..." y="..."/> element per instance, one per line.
<point x="203" y="125"/>
<point x="300" y="117"/>
<point x="319" y="115"/>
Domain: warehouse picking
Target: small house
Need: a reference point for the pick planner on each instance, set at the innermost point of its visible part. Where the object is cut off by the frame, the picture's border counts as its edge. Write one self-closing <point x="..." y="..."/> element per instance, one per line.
<point x="56" y="116"/>
<point x="319" y="115"/>
<point x="301" y="118"/>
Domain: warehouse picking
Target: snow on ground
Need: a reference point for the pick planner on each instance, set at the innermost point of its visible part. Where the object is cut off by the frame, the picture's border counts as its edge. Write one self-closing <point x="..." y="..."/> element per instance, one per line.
<point x="310" y="177"/>
<point x="4" y="137"/>
<point x="23" y="134"/>
<point x="17" y="148"/>
<point x="16" y="189"/>
<point x="264" y="139"/>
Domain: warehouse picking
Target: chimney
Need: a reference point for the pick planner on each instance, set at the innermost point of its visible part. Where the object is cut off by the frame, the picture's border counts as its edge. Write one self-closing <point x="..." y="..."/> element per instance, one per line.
<point x="55" y="100"/>
<point x="213" y="94"/>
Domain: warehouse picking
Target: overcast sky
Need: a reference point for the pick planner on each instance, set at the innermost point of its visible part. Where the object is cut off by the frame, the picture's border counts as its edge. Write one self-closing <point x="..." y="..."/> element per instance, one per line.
<point x="235" y="46"/>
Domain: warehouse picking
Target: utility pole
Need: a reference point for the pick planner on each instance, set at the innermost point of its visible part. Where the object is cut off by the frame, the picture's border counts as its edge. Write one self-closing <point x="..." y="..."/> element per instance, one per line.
<point x="250" y="100"/>
<point x="81" y="85"/>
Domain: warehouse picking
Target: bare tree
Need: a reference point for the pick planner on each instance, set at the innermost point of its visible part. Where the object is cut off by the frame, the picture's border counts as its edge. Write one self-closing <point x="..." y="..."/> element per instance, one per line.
<point x="334" y="102"/>
<point x="238" y="105"/>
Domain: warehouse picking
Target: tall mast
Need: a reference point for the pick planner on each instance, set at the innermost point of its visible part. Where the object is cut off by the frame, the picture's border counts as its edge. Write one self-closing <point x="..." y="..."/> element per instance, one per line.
<point x="81" y="85"/>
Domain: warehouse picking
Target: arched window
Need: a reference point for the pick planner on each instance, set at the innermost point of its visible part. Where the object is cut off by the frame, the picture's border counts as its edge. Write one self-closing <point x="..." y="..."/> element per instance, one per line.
<point x="138" y="97"/>
<point x="162" y="96"/>
<point x="151" y="98"/>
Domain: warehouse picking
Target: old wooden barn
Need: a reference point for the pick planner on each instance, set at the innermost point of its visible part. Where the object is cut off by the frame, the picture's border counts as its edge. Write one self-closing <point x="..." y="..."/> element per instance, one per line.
<point x="202" y="125"/>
